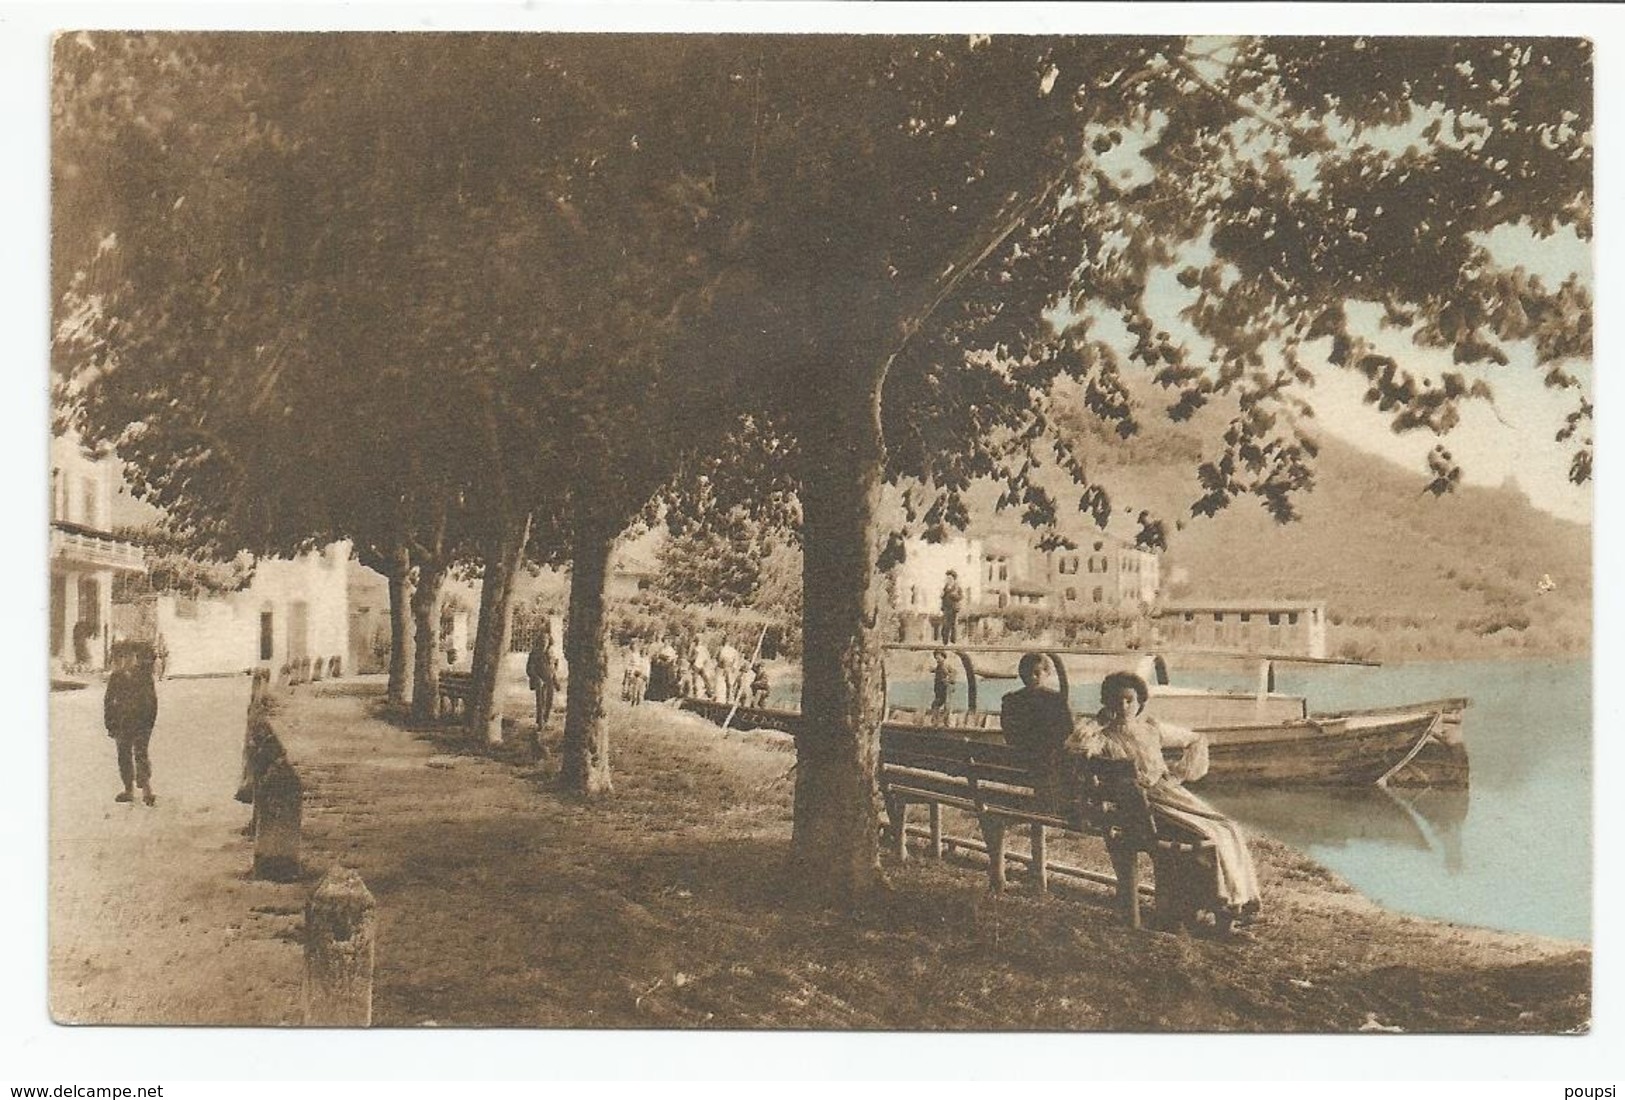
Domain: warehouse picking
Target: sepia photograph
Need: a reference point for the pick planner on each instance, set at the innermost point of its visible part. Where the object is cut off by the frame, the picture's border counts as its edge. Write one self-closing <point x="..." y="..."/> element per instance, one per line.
<point x="844" y="532"/>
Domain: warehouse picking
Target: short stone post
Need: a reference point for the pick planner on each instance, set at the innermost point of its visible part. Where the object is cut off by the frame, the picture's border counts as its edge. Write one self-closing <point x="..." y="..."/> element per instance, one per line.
<point x="316" y="669"/>
<point x="335" y="667"/>
<point x="277" y="809"/>
<point x="340" y="924"/>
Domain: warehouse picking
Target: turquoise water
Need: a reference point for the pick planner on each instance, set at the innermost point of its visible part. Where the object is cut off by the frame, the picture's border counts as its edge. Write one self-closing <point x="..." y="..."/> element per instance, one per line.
<point x="1513" y="852"/>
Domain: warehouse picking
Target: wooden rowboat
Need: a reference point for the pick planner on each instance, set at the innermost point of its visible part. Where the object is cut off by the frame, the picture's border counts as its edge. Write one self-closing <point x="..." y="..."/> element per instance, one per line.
<point x="1254" y="738"/>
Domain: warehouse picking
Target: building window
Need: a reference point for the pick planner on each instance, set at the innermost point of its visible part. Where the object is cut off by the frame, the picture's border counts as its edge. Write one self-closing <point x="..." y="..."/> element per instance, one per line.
<point x="1246" y="617"/>
<point x="1004" y="570"/>
<point x="1292" y="618"/>
<point x="1099" y="595"/>
<point x="1071" y="594"/>
<point x="1275" y="618"/>
<point x="88" y="490"/>
<point x="1190" y="616"/>
<point x="266" y="635"/>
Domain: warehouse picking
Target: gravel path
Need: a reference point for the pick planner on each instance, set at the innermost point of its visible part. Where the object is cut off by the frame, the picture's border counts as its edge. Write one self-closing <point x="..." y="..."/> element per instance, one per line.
<point x="153" y="918"/>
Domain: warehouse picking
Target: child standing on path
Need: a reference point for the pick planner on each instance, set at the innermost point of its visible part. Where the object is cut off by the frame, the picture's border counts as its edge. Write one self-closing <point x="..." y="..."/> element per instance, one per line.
<point x="129" y="710"/>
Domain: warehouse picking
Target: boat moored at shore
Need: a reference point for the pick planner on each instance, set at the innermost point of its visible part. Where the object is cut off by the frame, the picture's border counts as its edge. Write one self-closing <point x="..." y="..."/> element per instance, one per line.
<point x="1261" y="737"/>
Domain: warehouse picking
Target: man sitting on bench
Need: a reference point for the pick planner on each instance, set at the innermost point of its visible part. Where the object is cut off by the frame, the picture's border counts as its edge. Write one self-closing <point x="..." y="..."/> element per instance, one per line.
<point x="1034" y="717"/>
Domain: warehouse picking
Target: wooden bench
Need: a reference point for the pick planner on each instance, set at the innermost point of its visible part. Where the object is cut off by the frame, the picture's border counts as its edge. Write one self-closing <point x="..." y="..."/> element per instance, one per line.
<point x="996" y="783"/>
<point x="456" y="689"/>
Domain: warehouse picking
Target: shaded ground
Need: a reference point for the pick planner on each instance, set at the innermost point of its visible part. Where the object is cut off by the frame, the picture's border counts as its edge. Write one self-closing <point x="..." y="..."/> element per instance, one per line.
<point x="502" y="902"/>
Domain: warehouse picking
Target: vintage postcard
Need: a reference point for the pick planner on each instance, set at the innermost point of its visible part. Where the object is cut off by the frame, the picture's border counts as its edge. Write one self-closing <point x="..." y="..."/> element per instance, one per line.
<point x="959" y="531"/>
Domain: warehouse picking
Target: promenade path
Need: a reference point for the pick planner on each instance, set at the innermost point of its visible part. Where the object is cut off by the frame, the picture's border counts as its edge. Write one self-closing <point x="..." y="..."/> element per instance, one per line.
<point x="502" y="901"/>
<point x="153" y="917"/>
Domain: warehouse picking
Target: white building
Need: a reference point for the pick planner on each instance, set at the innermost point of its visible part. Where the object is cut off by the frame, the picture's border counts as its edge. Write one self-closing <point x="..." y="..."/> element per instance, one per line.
<point x="1296" y="627"/>
<point x="84" y="557"/>
<point x="1102" y="574"/>
<point x="289" y="611"/>
<point x="1006" y="572"/>
<point x="917" y="583"/>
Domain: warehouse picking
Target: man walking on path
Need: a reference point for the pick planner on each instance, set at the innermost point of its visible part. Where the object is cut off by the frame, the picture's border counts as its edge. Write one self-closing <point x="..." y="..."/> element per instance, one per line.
<point x="543" y="669"/>
<point x="952" y="596"/>
<point x="129" y="710"/>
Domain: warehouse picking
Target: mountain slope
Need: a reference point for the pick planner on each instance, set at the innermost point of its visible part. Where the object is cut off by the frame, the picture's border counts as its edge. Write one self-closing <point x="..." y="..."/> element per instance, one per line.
<point x="1404" y="574"/>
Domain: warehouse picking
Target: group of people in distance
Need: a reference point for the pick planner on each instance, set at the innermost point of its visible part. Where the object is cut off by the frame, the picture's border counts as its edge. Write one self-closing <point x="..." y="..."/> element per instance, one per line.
<point x="658" y="671"/>
<point x="1221" y="879"/>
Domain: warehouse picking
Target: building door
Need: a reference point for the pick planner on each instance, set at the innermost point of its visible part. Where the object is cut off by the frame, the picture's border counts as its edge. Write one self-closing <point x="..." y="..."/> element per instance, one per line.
<point x="298" y="627"/>
<point x="90" y="605"/>
<point x="59" y="613"/>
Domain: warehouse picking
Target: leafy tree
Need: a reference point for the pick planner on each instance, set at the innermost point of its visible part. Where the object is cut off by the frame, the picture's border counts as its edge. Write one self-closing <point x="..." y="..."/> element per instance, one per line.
<point x="890" y="251"/>
<point x="933" y="232"/>
<point x="175" y="567"/>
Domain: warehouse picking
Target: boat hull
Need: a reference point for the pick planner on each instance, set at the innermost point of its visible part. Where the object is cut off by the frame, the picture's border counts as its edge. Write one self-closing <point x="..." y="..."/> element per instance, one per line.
<point x="1415" y="746"/>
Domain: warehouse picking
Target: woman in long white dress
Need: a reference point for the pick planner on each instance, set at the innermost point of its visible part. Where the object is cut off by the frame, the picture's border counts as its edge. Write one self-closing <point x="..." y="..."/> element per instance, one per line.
<point x="1222" y="880"/>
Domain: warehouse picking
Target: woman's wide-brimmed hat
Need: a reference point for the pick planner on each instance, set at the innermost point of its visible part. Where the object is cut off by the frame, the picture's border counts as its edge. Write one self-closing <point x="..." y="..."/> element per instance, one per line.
<point x="1114" y="683"/>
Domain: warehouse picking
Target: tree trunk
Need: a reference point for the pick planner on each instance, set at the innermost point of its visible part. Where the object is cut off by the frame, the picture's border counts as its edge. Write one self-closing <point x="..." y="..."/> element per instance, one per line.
<point x="586" y="737"/>
<point x="503" y="557"/>
<point x="835" y="851"/>
<point x="400" y="627"/>
<point x="426" y="663"/>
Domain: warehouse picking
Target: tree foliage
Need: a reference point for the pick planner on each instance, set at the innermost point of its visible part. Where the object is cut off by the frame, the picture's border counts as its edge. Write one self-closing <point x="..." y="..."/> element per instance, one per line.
<point x="873" y="259"/>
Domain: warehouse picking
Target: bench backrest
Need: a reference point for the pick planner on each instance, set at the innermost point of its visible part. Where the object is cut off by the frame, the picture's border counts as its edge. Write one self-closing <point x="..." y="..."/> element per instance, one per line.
<point x="985" y="776"/>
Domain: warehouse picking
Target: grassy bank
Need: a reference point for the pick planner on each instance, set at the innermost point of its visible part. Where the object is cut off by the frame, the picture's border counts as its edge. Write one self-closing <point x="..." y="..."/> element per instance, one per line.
<point x="503" y="902"/>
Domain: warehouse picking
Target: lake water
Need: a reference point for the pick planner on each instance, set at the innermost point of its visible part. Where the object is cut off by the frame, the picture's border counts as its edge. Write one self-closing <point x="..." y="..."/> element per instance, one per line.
<point x="1513" y="852"/>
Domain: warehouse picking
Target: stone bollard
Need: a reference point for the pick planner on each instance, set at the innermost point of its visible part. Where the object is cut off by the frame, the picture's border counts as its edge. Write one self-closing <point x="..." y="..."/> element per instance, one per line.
<point x="335" y="668"/>
<point x="277" y="809"/>
<point x="304" y="671"/>
<point x="339" y="935"/>
<point x="315" y="669"/>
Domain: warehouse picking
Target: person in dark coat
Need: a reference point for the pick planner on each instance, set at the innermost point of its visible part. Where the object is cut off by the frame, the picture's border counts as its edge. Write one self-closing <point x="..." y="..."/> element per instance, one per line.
<point x="942" y="681"/>
<point x="952" y="597"/>
<point x="129" y="710"/>
<point x="760" y="685"/>
<point x="542" y="667"/>
<point x="1035" y="718"/>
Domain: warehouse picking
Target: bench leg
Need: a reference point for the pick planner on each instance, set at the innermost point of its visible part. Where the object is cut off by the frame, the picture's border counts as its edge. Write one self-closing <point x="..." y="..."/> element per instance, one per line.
<point x="936" y="830"/>
<point x="1040" y="860"/>
<point x="1176" y="889"/>
<point x="897" y="814"/>
<point x="1126" y="864"/>
<point x="993" y="833"/>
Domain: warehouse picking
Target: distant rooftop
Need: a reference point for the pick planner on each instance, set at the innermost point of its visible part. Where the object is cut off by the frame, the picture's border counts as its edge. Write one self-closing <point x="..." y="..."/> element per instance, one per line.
<point x="1241" y="605"/>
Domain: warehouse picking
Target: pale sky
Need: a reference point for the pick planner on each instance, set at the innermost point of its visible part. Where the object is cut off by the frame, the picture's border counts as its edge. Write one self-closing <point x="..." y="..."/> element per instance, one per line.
<point x="1515" y="436"/>
<point x="1512" y="437"/>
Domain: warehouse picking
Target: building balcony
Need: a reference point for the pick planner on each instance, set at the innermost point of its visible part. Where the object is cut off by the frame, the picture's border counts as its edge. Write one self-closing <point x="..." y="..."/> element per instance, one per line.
<point x="76" y="547"/>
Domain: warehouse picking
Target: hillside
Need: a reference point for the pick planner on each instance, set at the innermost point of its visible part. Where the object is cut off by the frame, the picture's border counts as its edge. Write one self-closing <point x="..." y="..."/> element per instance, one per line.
<point x="1404" y="574"/>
